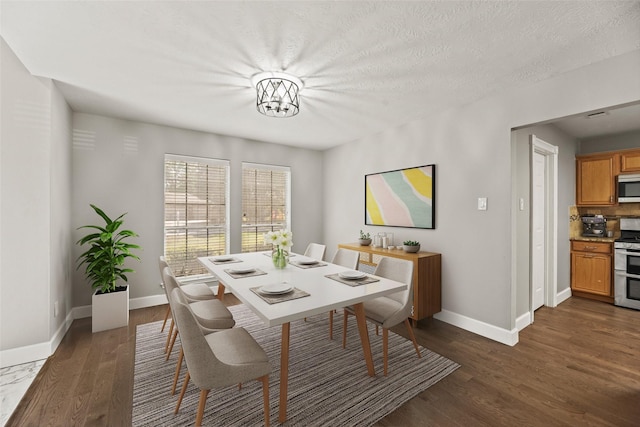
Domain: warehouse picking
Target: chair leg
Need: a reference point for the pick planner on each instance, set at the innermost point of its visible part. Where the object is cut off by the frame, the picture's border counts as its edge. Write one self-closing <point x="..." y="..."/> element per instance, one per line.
<point x="177" y="375"/>
<point x="331" y="325"/>
<point x="377" y="331"/>
<point x="413" y="337"/>
<point x="385" y="349"/>
<point x="344" y="329"/>
<point x="184" y="389"/>
<point x="265" y="395"/>
<point x="166" y="346"/>
<point x="201" y="403"/>
<point x="173" y="341"/>
<point x="166" y="317"/>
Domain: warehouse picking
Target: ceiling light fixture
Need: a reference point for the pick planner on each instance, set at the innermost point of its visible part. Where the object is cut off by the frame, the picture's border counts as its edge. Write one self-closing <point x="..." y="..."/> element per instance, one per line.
<point x="277" y="93"/>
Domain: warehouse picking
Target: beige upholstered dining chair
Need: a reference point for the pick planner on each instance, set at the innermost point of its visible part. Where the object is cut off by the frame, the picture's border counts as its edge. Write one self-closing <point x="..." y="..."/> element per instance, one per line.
<point x="390" y="310"/>
<point x="315" y="251"/>
<point x="194" y="292"/>
<point x="220" y="359"/>
<point x="349" y="259"/>
<point x="211" y="315"/>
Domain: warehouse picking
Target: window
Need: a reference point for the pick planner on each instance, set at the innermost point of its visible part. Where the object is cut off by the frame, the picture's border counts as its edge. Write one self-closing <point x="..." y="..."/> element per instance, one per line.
<point x="266" y="198"/>
<point x="196" y="211"/>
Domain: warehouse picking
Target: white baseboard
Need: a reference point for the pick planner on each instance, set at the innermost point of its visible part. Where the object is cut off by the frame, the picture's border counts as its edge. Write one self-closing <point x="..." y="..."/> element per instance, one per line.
<point x="486" y="330"/>
<point x="33" y="352"/>
<point x="523" y="321"/>
<point x="144" y="302"/>
<point x="562" y="296"/>
<point x="62" y="330"/>
<point x="27" y="353"/>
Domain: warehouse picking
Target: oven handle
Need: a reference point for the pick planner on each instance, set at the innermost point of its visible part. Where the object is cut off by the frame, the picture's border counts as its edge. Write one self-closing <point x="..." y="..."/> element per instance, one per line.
<point x="632" y="252"/>
<point x="623" y="273"/>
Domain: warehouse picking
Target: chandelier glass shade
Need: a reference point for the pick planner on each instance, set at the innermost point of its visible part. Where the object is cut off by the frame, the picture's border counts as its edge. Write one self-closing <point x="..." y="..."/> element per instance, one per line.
<point x="277" y="94"/>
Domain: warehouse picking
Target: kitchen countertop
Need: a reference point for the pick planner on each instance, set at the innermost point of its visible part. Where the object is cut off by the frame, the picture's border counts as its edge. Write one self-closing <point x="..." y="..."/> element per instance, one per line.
<point x="596" y="239"/>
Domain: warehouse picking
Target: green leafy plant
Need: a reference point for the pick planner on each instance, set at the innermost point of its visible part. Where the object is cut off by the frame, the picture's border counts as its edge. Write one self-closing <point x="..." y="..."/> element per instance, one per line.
<point x="107" y="252"/>
<point x="364" y="236"/>
<point x="411" y="243"/>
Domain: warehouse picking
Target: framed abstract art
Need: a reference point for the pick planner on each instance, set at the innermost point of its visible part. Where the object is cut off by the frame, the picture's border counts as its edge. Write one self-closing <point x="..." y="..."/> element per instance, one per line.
<point x="401" y="198"/>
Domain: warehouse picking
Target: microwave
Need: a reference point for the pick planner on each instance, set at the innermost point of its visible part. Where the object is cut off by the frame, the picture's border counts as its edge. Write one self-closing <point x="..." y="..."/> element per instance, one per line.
<point x="629" y="188"/>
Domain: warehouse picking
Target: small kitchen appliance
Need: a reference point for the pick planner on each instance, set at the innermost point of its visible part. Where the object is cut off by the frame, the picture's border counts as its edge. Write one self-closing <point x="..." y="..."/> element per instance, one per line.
<point x="626" y="281"/>
<point x="629" y="188"/>
<point x="594" y="226"/>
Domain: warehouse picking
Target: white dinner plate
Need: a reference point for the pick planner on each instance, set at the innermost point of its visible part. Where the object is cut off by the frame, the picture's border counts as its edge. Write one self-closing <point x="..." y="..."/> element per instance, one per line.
<point x="306" y="261"/>
<point x="351" y="274"/>
<point x="222" y="258"/>
<point x="242" y="270"/>
<point x="276" y="288"/>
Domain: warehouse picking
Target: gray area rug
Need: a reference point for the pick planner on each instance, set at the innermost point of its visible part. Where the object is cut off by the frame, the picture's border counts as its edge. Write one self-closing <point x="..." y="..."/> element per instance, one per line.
<point x="328" y="385"/>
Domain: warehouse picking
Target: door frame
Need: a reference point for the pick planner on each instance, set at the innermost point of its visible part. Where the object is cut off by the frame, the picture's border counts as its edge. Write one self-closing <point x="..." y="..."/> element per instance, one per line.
<point x="550" y="153"/>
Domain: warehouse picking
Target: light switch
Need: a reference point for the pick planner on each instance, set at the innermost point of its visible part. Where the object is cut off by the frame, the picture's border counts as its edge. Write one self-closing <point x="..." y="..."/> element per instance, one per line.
<point x="521" y="204"/>
<point x="482" y="203"/>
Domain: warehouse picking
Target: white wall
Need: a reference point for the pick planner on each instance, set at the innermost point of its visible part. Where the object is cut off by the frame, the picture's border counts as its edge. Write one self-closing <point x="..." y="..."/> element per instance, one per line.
<point x="471" y="147"/>
<point x="34" y="229"/>
<point x="61" y="257"/>
<point x="120" y="180"/>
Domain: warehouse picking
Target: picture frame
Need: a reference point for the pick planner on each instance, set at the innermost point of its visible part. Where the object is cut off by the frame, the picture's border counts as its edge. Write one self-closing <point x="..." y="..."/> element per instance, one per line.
<point x="401" y="197"/>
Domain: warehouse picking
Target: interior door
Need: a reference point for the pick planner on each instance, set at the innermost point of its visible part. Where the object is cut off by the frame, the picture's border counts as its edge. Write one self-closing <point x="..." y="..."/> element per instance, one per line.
<point x="538" y="229"/>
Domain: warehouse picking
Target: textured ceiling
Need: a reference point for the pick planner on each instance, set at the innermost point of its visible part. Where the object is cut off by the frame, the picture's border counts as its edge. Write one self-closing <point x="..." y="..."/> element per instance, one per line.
<point x="366" y="66"/>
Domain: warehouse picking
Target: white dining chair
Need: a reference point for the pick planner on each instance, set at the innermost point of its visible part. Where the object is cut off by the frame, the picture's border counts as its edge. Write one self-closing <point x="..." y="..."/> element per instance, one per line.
<point x="220" y="359"/>
<point x="315" y="251"/>
<point x="390" y="310"/>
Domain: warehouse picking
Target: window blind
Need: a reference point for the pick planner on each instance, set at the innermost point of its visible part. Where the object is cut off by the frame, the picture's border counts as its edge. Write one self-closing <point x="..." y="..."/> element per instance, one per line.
<point x="196" y="211"/>
<point x="266" y="203"/>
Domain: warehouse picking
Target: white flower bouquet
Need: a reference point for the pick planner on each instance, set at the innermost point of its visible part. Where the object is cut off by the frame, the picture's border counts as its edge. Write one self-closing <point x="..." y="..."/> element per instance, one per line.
<point x="281" y="241"/>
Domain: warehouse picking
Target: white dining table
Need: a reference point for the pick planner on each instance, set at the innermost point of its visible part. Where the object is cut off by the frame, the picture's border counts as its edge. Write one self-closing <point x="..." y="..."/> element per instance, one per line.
<point x="325" y="294"/>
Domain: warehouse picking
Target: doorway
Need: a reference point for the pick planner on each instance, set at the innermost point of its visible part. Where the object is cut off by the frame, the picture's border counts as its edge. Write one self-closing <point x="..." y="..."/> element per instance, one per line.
<point x="543" y="228"/>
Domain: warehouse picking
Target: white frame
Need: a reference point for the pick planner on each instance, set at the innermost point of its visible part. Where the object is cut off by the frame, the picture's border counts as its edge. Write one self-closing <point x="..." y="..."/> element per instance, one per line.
<point x="551" y="218"/>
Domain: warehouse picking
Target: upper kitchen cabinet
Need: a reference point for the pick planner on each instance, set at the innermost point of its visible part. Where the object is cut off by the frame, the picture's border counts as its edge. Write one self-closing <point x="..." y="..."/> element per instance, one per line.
<point x="630" y="161"/>
<point x="596" y="179"/>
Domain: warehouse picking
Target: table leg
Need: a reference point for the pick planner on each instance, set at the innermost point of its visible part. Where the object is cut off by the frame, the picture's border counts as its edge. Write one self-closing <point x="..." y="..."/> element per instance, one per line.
<point x="284" y="371"/>
<point x="220" y="294"/>
<point x="364" y="338"/>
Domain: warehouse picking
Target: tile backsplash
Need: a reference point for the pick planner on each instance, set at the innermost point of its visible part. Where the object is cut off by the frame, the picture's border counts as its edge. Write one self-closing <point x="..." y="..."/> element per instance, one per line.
<point x="612" y="213"/>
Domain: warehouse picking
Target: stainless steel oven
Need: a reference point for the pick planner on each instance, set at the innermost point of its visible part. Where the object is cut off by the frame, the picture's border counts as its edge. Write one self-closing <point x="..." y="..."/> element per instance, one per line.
<point x="626" y="279"/>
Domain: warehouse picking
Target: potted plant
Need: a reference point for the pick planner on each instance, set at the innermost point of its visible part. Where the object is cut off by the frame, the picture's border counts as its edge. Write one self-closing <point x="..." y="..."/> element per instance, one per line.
<point x="365" y="239"/>
<point x="104" y="261"/>
<point x="411" y="246"/>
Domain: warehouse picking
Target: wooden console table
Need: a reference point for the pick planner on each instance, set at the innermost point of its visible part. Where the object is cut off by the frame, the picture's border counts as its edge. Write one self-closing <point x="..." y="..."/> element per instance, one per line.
<point x="427" y="291"/>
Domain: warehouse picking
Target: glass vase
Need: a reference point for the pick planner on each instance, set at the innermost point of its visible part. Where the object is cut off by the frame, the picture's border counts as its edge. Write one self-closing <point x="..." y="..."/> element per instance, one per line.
<point x="280" y="258"/>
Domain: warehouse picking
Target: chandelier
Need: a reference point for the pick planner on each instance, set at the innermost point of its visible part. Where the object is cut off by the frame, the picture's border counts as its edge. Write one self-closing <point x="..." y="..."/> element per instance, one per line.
<point x="277" y="94"/>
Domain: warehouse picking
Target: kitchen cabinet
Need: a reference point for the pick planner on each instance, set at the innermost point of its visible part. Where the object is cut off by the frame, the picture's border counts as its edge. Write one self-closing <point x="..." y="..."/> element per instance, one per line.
<point x="630" y="161"/>
<point x="596" y="179"/>
<point x="591" y="270"/>
<point x="426" y="276"/>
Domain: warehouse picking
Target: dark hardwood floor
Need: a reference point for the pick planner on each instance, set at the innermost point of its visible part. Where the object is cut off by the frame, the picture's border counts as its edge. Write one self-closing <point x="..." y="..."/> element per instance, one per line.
<point x="578" y="364"/>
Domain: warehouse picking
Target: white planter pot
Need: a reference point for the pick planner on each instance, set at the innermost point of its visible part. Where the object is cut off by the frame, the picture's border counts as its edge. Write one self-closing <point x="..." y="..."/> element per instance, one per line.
<point x="109" y="311"/>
